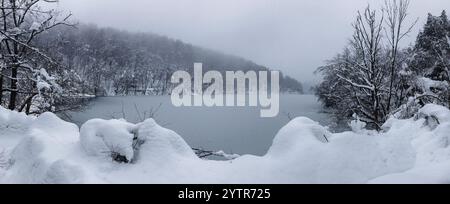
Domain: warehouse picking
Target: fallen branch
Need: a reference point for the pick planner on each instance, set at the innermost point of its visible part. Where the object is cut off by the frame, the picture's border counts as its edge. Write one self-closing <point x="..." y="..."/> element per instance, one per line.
<point x="203" y="154"/>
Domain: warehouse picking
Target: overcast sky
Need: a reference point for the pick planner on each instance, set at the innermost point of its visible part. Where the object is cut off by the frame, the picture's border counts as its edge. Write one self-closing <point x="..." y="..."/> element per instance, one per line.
<point x="294" y="36"/>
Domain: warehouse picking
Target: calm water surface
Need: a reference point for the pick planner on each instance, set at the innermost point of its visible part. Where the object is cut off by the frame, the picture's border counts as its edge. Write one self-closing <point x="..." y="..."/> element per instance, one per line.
<point x="232" y="129"/>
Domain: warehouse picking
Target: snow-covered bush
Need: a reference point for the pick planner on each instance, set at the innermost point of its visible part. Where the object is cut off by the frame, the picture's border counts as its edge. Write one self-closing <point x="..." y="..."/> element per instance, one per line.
<point x="408" y="110"/>
<point x="434" y="115"/>
<point x="123" y="141"/>
<point x="108" y="138"/>
<point x="47" y="89"/>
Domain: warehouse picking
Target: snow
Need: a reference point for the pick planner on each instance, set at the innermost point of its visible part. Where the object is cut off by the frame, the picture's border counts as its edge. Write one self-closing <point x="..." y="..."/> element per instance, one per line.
<point x="100" y="137"/>
<point x="226" y="156"/>
<point x="46" y="149"/>
<point x="42" y="85"/>
<point x="13" y="126"/>
<point x="45" y="81"/>
<point x="448" y="39"/>
<point x="35" y="26"/>
<point x="357" y="125"/>
<point x="427" y="84"/>
<point x="40" y="156"/>
<point x="439" y="112"/>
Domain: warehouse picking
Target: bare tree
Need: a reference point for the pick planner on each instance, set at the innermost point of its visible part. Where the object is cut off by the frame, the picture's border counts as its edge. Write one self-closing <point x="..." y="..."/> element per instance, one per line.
<point x="396" y="16"/>
<point x="21" y="21"/>
<point x="371" y="77"/>
<point x="364" y="71"/>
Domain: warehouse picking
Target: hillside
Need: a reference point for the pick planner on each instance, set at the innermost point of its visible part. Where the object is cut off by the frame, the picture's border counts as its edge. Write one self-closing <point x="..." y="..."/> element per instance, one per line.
<point x="114" y="62"/>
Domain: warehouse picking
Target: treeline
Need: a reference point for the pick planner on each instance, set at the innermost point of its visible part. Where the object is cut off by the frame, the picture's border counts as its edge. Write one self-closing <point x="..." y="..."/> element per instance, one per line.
<point x="114" y="62"/>
<point x="374" y="78"/>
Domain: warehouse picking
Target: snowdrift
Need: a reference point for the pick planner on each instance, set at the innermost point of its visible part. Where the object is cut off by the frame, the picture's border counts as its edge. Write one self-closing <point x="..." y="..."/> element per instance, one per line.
<point x="46" y="149"/>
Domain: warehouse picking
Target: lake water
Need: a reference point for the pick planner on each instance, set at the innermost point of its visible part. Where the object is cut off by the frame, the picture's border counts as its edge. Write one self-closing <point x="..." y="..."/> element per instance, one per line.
<point x="238" y="130"/>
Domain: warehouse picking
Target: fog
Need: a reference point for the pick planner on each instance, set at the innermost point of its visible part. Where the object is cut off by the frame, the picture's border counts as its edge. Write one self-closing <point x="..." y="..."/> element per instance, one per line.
<point x="295" y="36"/>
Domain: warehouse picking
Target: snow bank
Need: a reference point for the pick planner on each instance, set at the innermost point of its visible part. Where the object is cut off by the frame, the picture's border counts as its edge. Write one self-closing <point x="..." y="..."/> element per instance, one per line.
<point x="347" y="157"/>
<point x="439" y="113"/>
<point x="13" y="123"/>
<point x="40" y="157"/>
<point x="53" y="151"/>
<point x="431" y="146"/>
<point x="160" y="141"/>
<point x="13" y="127"/>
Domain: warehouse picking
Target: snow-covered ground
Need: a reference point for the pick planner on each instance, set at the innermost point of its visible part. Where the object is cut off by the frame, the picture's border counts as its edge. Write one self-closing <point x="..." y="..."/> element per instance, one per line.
<point x="46" y="149"/>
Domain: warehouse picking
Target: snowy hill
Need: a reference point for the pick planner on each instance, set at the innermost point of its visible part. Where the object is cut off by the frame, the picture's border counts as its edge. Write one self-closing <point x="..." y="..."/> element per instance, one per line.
<point x="46" y="149"/>
<point x="114" y="62"/>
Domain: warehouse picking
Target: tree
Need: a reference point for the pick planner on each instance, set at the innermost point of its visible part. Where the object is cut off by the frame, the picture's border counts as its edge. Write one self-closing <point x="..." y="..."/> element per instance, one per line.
<point x="363" y="70"/>
<point x="432" y="49"/>
<point x="368" y="79"/>
<point x="22" y="75"/>
<point x="397" y="13"/>
<point x="431" y="61"/>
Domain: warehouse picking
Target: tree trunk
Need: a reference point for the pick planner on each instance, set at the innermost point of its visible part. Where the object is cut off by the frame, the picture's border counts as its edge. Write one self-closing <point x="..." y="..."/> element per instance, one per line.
<point x="13" y="95"/>
<point x="27" y="104"/>
<point x="27" y="109"/>
<point x="1" y="88"/>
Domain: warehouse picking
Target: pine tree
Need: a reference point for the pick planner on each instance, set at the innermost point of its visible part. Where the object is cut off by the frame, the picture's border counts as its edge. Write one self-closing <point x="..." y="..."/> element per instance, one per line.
<point x="431" y="61"/>
<point x="432" y="49"/>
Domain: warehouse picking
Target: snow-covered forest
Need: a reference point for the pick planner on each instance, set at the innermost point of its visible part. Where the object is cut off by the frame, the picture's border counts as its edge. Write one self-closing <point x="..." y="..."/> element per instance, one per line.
<point x="375" y="78"/>
<point x="113" y="62"/>
<point x="50" y="62"/>
<point x="393" y="97"/>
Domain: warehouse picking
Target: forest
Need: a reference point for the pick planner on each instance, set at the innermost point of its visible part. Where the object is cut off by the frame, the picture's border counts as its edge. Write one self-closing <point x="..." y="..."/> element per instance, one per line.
<point x="51" y="62"/>
<point x="375" y="78"/>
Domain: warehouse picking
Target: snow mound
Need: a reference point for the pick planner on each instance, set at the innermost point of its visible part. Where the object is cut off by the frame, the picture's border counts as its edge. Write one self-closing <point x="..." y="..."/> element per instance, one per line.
<point x="103" y="137"/>
<point x="160" y="142"/>
<point x="432" y="156"/>
<point x="108" y="137"/>
<point x="40" y="157"/>
<point x="349" y="157"/>
<point x="13" y="122"/>
<point x="54" y="151"/>
<point x="299" y="131"/>
<point x="436" y="112"/>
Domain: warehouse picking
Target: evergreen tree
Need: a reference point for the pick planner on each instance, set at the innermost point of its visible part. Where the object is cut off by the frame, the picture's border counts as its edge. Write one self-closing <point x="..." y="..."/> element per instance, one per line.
<point x="431" y="62"/>
<point x="432" y="49"/>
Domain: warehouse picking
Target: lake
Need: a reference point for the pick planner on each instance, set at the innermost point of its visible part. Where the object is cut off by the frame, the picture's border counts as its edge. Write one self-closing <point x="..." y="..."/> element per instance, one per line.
<point x="238" y="130"/>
